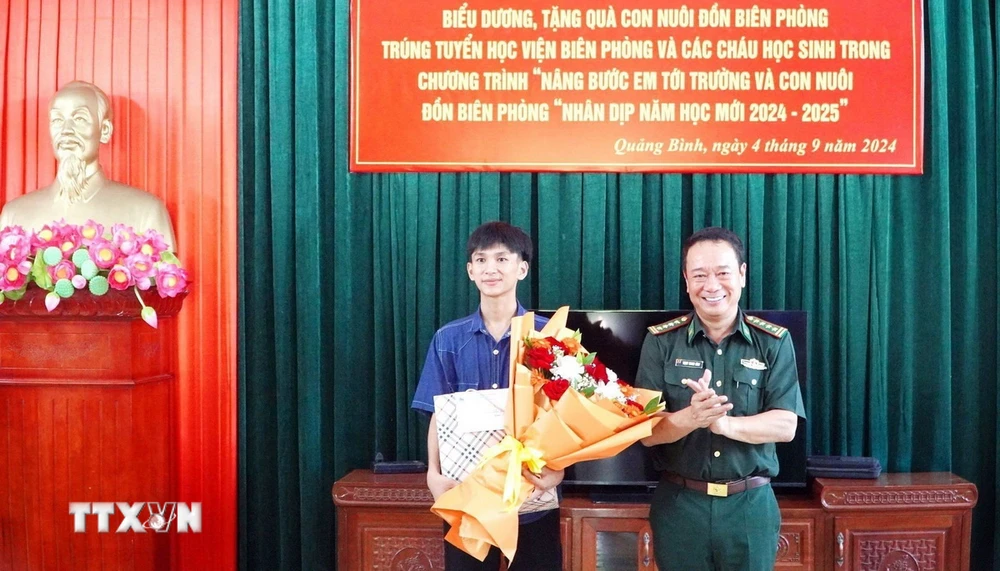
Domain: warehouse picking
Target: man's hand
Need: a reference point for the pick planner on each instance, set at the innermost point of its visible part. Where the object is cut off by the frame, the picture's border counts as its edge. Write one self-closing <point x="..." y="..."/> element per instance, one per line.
<point x="543" y="482"/>
<point x="706" y="406"/>
<point x="439" y="483"/>
<point x="721" y="426"/>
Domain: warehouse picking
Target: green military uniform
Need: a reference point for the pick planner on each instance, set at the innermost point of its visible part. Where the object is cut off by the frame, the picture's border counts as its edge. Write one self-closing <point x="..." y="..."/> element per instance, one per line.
<point x="755" y="367"/>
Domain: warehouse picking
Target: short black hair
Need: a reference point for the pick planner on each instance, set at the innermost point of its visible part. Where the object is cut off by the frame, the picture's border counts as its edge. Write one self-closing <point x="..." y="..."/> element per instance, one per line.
<point x="503" y="234"/>
<point x="714" y="234"/>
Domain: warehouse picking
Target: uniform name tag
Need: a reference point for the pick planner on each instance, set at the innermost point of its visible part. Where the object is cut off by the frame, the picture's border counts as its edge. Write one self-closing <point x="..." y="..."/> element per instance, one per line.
<point x="689" y="364"/>
<point x="753" y="364"/>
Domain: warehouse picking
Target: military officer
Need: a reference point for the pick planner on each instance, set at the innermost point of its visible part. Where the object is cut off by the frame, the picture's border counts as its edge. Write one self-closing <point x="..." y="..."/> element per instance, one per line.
<point x="731" y="388"/>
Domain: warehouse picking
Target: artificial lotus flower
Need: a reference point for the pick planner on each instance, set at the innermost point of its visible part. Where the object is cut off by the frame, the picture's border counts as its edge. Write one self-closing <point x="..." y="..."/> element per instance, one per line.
<point x="11" y="277"/>
<point x="171" y="280"/>
<point x="103" y="253"/>
<point x="64" y="270"/>
<point x="140" y="266"/>
<point x="90" y="231"/>
<point x="120" y="278"/>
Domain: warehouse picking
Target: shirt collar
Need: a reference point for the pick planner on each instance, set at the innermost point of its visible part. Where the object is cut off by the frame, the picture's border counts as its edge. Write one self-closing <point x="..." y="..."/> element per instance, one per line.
<point x="695" y="327"/>
<point x="477" y="325"/>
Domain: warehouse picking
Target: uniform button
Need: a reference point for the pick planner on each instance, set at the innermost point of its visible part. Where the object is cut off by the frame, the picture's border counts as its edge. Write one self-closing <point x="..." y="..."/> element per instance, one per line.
<point x="717" y="453"/>
<point x="496" y="351"/>
<point x="718" y="351"/>
<point x="718" y="383"/>
<point x="494" y="385"/>
<point x="753" y="382"/>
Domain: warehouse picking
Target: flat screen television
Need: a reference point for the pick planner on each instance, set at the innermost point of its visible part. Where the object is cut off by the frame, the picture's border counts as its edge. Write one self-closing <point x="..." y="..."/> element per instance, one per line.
<point x="617" y="337"/>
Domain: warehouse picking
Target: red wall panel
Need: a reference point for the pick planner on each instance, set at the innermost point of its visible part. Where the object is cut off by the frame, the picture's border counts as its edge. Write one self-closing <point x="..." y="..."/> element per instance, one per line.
<point x="169" y="67"/>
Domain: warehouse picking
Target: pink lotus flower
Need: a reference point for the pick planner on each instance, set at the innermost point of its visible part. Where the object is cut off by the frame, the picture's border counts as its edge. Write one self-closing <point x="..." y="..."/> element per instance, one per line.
<point x="64" y="270"/>
<point x="103" y="253"/>
<point x="144" y="284"/>
<point x="47" y="236"/>
<point x="120" y="278"/>
<point x="90" y="231"/>
<point x="15" y="245"/>
<point x="11" y="277"/>
<point x="170" y="280"/>
<point x="122" y="233"/>
<point x="152" y="244"/>
<point x="140" y="265"/>
<point x="69" y="240"/>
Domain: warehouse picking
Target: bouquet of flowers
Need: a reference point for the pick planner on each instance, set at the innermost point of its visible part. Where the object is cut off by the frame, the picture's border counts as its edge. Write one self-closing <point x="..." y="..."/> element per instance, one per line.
<point x="564" y="407"/>
<point x="62" y="258"/>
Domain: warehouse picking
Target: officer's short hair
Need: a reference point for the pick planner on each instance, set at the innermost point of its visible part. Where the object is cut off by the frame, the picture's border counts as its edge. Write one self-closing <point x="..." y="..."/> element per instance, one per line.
<point x="500" y="234"/>
<point x="714" y="234"/>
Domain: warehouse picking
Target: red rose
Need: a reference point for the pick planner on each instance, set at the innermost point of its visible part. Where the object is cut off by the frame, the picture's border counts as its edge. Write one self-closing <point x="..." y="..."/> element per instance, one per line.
<point x="557" y="343"/>
<point x="597" y="370"/>
<point x="555" y="389"/>
<point x="538" y="358"/>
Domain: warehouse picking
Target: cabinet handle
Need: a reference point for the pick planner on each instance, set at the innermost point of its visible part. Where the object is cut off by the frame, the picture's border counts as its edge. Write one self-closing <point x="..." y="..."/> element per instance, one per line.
<point x="645" y="549"/>
<point x="840" y="549"/>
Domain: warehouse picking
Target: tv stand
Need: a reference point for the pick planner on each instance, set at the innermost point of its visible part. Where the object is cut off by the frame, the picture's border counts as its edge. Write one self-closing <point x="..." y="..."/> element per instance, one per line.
<point x="918" y="521"/>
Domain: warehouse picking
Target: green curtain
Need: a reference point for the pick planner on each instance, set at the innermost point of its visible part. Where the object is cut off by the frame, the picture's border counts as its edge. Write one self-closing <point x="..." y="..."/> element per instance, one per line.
<point x="344" y="278"/>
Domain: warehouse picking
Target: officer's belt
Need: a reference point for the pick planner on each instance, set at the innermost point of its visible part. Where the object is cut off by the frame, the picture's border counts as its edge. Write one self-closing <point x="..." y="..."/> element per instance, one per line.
<point x="720" y="490"/>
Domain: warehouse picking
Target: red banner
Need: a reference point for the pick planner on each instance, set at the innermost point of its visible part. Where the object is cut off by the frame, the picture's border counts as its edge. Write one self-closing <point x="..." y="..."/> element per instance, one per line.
<point x="516" y="85"/>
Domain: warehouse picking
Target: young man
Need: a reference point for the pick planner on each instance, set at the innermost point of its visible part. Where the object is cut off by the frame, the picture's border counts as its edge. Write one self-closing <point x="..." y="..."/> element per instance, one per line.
<point x="732" y="391"/>
<point x="473" y="353"/>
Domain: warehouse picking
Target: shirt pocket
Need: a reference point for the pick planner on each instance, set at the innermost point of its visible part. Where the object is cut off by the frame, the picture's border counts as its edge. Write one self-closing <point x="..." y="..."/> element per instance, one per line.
<point x="748" y="391"/>
<point x="676" y="393"/>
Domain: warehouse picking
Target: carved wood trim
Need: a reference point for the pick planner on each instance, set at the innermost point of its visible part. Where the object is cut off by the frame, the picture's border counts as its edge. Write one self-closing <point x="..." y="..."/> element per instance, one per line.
<point x="395" y="553"/>
<point x="882" y="499"/>
<point x="114" y="304"/>
<point x="789" y="547"/>
<point x="366" y="495"/>
<point x="898" y="554"/>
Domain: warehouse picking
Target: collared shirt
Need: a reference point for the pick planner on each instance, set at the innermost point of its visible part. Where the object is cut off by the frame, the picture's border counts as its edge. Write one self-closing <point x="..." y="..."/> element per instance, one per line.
<point x="464" y="355"/>
<point x="754" y="369"/>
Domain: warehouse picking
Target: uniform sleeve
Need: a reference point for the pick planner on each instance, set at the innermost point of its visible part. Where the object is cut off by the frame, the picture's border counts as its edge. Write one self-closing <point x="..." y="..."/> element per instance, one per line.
<point x="783" y="390"/>
<point x="437" y="378"/>
<point x="650" y="373"/>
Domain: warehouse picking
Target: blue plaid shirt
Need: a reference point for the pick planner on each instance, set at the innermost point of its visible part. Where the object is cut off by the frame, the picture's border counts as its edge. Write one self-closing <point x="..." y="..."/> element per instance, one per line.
<point x="462" y="356"/>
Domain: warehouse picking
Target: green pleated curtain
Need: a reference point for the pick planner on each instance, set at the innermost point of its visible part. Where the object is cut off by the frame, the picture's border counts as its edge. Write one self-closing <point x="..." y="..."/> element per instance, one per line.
<point x="344" y="278"/>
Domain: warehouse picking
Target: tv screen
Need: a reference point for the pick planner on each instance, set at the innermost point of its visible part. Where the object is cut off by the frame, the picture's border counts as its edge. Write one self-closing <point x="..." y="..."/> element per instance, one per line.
<point x="617" y="337"/>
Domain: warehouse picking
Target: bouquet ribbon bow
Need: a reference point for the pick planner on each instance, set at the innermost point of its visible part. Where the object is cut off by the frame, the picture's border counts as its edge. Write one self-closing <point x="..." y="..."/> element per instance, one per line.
<point x="518" y="454"/>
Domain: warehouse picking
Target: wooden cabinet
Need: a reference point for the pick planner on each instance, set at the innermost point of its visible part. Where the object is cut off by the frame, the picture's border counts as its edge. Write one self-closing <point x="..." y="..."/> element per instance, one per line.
<point x="616" y="543"/>
<point x="900" y="522"/>
<point x="918" y="522"/>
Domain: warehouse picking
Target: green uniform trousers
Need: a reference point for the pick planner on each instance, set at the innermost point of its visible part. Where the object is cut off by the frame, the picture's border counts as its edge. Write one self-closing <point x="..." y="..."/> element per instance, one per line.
<point x="693" y="531"/>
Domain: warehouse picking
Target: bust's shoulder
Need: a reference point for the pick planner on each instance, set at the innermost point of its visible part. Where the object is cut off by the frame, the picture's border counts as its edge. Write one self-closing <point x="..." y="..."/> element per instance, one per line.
<point x="42" y="194"/>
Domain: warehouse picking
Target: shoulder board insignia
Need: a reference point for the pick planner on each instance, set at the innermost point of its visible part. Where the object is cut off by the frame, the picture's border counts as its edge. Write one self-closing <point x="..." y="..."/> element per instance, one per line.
<point x="661" y="328"/>
<point x="766" y="326"/>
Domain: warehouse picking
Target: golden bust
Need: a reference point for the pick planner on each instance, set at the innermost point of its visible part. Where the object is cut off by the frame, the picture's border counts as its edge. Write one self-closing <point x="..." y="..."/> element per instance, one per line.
<point x="79" y="122"/>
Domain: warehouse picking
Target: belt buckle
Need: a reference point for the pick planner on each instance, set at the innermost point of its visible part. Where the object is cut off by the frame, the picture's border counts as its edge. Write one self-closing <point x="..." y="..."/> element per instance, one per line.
<point x="718" y="490"/>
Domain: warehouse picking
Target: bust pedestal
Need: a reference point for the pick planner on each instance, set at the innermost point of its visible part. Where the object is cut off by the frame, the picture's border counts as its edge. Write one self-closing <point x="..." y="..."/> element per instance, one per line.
<point x="86" y="415"/>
